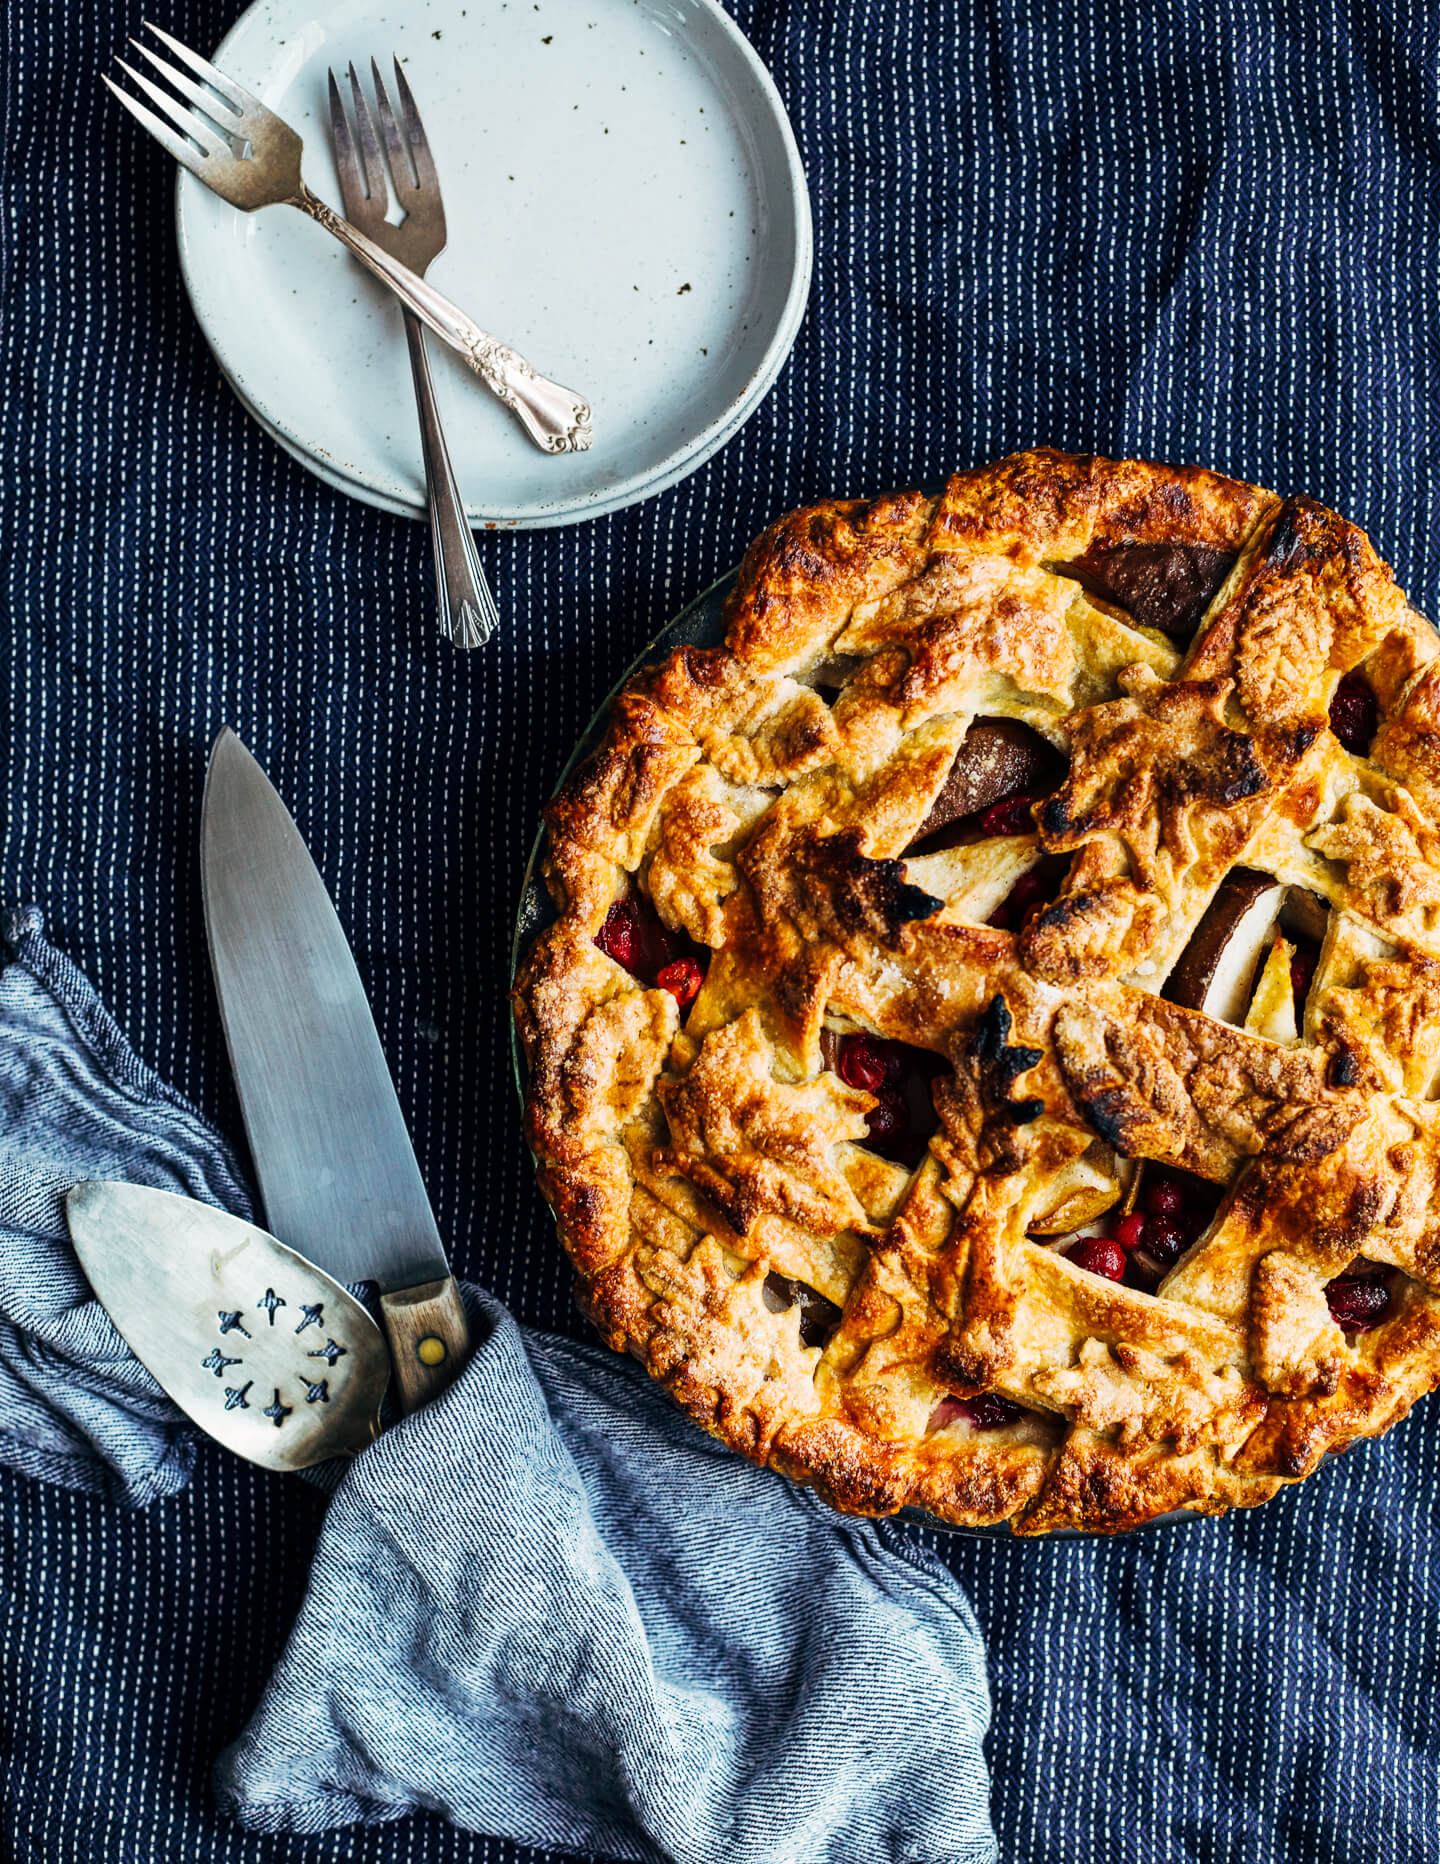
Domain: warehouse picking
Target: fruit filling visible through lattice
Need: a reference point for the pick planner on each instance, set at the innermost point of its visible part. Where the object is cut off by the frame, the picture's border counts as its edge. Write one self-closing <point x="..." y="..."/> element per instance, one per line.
<point x="995" y="1004"/>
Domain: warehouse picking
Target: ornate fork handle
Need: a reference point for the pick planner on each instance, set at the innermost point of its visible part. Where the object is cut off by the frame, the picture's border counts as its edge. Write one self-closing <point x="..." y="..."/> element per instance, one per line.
<point x="556" y="418"/>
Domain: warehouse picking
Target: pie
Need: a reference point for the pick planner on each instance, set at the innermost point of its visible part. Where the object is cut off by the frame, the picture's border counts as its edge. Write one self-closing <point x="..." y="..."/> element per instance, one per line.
<point x="986" y="1054"/>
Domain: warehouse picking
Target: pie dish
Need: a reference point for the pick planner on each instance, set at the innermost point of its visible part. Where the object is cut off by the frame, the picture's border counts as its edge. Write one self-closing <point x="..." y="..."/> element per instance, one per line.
<point x="984" y="1058"/>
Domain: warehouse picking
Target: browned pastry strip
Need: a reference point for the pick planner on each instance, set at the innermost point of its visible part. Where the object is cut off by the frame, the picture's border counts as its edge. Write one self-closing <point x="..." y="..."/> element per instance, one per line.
<point x="878" y="1071"/>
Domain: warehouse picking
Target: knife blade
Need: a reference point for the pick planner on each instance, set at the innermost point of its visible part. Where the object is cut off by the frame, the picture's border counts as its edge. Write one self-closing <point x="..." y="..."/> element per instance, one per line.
<point x="336" y="1169"/>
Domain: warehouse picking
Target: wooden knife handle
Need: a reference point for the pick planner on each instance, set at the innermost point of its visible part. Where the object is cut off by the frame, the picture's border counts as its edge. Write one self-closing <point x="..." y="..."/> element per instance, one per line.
<point x="429" y="1339"/>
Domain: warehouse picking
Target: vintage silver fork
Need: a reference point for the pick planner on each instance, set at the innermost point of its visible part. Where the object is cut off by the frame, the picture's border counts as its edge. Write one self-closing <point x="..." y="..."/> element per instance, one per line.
<point x="250" y="158"/>
<point x="468" y="615"/>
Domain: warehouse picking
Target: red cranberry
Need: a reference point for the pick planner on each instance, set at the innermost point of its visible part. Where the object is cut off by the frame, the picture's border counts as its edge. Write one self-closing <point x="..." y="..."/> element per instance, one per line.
<point x="1100" y="1255"/>
<point x="1356" y="1303"/>
<point x="1302" y="969"/>
<point x="992" y="1412"/>
<point x="616" y="938"/>
<point x="987" y="1412"/>
<point x="887" y="1122"/>
<point x="1163" y="1197"/>
<point x="634" y="936"/>
<point x="899" y="1076"/>
<point x="1129" y="1230"/>
<point x="1028" y="892"/>
<point x="682" y="979"/>
<point x="1354" y="714"/>
<point x="1010" y="816"/>
<point x="1165" y="1239"/>
<point x="863" y="1064"/>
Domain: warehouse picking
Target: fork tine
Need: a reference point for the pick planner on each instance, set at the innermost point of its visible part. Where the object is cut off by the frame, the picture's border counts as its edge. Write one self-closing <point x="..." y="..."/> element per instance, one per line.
<point x="415" y="135"/>
<point x="347" y="161"/>
<point x="214" y="107"/>
<point x="182" y="151"/>
<point x="227" y="87"/>
<point x="400" y="171"/>
<point x="210" y="140"/>
<point x="370" y="144"/>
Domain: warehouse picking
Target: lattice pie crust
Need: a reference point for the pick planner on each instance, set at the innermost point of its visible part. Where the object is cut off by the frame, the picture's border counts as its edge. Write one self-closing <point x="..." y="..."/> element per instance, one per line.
<point x="1153" y="1255"/>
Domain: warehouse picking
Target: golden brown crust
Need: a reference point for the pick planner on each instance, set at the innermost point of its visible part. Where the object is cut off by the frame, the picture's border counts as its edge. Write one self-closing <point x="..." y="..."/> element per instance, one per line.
<point x="829" y="1311"/>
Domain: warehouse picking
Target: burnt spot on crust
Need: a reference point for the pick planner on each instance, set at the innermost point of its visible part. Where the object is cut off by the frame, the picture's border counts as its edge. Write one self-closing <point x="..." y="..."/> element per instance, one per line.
<point x="867" y="896"/>
<point x="1112" y="1112"/>
<point x="989" y="1046"/>
<point x="1235" y="775"/>
<point x="1283" y="547"/>
<point x="992" y="1031"/>
<point x="1164" y="752"/>
<point x="1054" y="819"/>
<point x="996" y="1064"/>
<point x="1305" y="532"/>
<point x="1166" y="586"/>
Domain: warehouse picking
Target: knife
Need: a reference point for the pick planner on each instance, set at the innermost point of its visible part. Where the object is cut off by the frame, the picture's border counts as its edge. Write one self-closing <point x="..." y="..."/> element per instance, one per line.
<point x="336" y="1169"/>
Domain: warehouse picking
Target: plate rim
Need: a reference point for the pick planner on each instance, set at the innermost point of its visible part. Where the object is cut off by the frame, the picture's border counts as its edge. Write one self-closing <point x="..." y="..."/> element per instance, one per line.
<point x="678" y="464"/>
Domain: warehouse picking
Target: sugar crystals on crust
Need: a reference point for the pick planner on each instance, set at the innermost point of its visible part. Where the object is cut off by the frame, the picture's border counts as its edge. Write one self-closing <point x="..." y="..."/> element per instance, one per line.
<point x="985" y="1054"/>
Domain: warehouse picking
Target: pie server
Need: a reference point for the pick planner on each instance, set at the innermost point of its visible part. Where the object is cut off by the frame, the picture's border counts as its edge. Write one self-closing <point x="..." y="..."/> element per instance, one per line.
<point x="262" y="1349"/>
<point x="335" y="1166"/>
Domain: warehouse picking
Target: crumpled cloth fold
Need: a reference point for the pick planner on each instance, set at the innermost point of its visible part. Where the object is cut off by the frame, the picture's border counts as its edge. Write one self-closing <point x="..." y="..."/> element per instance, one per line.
<point x="546" y="1606"/>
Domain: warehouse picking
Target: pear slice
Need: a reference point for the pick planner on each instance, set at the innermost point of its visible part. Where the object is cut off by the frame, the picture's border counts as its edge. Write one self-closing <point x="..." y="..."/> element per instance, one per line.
<point x="999" y="757"/>
<point x="1304" y="914"/>
<point x="1166" y="586"/>
<point x="1272" y="1008"/>
<point x="1084" y="1189"/>
<point x="1216" y="971"/>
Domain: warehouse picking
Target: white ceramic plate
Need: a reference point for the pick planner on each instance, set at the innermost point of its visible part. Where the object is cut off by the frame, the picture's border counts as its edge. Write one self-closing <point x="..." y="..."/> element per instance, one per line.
<point x="625" y="205"/>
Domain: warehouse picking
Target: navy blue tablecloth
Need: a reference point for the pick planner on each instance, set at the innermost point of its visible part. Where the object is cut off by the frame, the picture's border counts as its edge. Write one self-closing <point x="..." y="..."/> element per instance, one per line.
<point x="1207" y="230"/>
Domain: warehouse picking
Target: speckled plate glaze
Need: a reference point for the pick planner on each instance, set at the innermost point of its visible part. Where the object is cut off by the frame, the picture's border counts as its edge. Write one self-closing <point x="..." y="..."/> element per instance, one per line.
<point x="625" y="204"/>
<point x="702" y="625"/>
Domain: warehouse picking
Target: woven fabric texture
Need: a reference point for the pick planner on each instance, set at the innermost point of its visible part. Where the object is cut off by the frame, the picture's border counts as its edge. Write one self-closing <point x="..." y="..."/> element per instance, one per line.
<point x="546" y="1605"/>
<point x="1197" y="231"/>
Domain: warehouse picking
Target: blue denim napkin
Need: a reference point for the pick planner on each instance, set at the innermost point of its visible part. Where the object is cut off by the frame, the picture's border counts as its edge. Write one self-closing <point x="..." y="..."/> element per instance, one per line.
<point x="546" y="1606"/>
